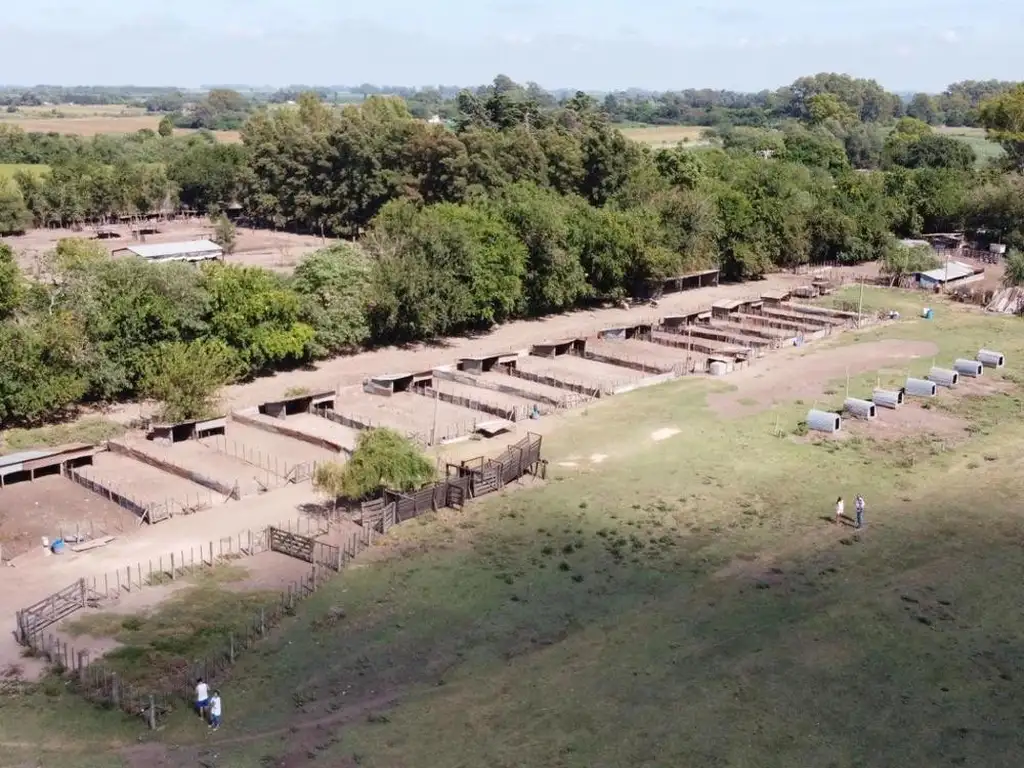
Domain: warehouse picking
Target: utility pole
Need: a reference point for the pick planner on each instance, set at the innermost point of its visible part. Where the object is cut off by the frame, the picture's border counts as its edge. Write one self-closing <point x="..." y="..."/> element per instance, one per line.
<point x="433" y="428"/>
<point x="860" y="304"/>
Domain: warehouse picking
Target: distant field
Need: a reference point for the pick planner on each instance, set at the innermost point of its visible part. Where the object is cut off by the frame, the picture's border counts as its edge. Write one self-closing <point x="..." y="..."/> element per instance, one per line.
<point x="660" y="136"/>
<point x="91" y="120"/>
<point x="983" y="148"/>
<point x="7" y="170"/>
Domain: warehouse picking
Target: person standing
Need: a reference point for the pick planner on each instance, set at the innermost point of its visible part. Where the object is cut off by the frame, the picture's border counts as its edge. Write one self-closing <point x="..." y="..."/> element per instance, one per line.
<point x="859" y="508"/>
<point x="215" y="710"/>
<point x="202" y="697"/>
<point x="839" y="510"/>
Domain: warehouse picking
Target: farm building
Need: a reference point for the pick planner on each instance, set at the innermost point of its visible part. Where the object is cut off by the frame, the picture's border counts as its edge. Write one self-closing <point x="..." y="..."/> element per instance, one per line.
<point x="953" y="273"/>
<point x="191" y="250"/>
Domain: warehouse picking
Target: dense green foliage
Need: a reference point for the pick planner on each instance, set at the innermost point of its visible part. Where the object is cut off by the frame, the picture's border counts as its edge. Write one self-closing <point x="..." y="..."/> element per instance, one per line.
<point x="523" y="206"/>
<point x="384" y="459"/>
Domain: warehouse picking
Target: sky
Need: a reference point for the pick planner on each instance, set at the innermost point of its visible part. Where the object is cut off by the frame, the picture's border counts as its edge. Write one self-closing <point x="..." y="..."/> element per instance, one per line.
<point x="748" y="45"/>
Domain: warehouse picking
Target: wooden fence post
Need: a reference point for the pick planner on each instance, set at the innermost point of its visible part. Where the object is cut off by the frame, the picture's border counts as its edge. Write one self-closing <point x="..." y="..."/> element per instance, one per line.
<point x="231" y="647"/>
<point x="172" y="566"/>
<point x="152" y="713"/>
<point x="263" y="622"/>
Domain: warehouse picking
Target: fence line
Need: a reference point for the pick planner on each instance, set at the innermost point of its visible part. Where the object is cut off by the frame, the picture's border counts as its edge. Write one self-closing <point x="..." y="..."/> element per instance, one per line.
<point x="97" y="682"/>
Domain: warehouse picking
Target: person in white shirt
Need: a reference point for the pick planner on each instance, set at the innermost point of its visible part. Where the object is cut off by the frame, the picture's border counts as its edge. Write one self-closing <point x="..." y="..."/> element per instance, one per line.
<point x="839" y="510"/>
<point x="215" y="710"/>
<point x="202" y="697"/>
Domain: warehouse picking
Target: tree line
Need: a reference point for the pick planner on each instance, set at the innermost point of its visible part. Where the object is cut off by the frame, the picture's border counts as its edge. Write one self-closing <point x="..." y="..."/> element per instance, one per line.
<point x="225" y="108"/>
<point x="516" y="211"/>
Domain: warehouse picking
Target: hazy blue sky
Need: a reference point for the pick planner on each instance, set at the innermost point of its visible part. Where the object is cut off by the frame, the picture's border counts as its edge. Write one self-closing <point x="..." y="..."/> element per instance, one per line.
<point x="594" y="44"/>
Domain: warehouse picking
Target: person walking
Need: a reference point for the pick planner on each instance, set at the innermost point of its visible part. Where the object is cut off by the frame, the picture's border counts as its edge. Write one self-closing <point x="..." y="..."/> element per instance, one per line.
<point x="202" y="697"/>
<point x="858" y="505"/>
<point x="839" y="510"/>
<point x="215" y="710"/>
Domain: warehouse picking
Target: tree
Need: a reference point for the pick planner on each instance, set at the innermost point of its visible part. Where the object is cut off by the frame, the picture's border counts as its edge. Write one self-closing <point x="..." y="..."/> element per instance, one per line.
<point x="15" y="216"/>
<point x="1003" y="119"/>
<point x="900" y="260"/>
<point x="1014" y="275"/>
<point x="256" y="313"/>
<point x="224" y="234"/>
<point x="442" y="269"/>
<point x="11" y="284"/>
<point x="335" y="283"/>
<point x="166" y="126"/>
<point x="329" y="480"/>
<point x="382" y="459"/>
<point x="186" y="378"/>
<point x="42" y="370"/>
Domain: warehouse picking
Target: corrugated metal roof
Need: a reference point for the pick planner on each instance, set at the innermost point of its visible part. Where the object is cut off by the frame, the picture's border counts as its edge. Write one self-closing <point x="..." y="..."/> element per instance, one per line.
<point x="165" y="250"/>
<point x="23" y="456"/>
<point x="955" y="270"/>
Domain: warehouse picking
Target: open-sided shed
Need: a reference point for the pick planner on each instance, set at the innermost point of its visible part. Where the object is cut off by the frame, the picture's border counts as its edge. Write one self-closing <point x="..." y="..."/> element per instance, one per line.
<point x="486" y="363"/>
<point x="392" y="383"/>
<point x="304" y="403"/>
<point x="27" y="465"/>
<point x="625" y="332"/>
<point x="188" y="430"/>
<point x="575" y="346"/>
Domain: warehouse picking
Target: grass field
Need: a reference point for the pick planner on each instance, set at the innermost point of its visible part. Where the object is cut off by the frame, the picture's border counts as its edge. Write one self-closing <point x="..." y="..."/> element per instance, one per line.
<point x="983" y="148"/>
<point x="7" y="170"/>
<point x="660" y="602"/>
<point x="89" y="120"/>
<point x="662" y="136"/>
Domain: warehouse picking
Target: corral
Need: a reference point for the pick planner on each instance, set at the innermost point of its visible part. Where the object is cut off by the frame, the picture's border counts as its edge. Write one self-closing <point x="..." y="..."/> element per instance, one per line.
<point x="145" y="484"/>
<point x="702" y="535"/>
<point x="224" y="474"/>
<point x="53" y="506"/>
<point x="429" y="421"/>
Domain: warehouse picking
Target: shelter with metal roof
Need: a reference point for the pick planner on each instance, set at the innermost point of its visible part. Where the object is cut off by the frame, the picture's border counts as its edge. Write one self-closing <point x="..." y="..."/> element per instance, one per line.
<point x="190" y="250"/>
<point x="952" y="272"/>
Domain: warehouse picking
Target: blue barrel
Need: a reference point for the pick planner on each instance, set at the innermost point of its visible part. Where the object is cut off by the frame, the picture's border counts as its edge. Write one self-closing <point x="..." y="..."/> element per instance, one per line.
<point x="57" y="547"/>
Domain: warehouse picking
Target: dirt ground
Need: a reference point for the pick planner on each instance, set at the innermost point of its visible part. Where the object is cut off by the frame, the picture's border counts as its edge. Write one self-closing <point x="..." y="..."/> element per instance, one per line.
<point x="486" y="396"/>
<point x="907" y="420"/>
<point x="196" y="457"/>
<point x="408" y="412"/>
<point x="89" y="121"/>
<point x="267" y="449"/>
<point x="51" y="505"/>
<point x="658" y="356"/>
<point x="279" y="251"/>
<point x="529" y="387"/>
<point x="576" y="370"/>
<point x="318" y="426"/>
<point x="801" y="372"/>
<point x="142" y="482"/>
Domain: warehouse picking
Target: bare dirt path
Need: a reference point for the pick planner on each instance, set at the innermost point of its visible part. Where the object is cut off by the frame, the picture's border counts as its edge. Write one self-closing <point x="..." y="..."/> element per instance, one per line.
<point x="801" y="372"/>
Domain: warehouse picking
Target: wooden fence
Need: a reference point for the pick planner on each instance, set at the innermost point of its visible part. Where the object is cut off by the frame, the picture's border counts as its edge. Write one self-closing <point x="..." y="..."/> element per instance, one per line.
<point x="273" y="467"/>
<point x="97" y="682"/>
<point x="470" y="479"/>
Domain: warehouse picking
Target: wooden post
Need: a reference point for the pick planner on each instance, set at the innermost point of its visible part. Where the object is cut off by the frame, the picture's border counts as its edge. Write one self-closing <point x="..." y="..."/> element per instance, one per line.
<point x="152" y="713"/>
<point x="118" y="574"/>
<point x="231" y="647"/>
<point x="172" y="566"/>
<point x="115" y="693"/>
<point x="263" y="622"/>
<point x="211" y="552"/>
<point x="140" y="575"/>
